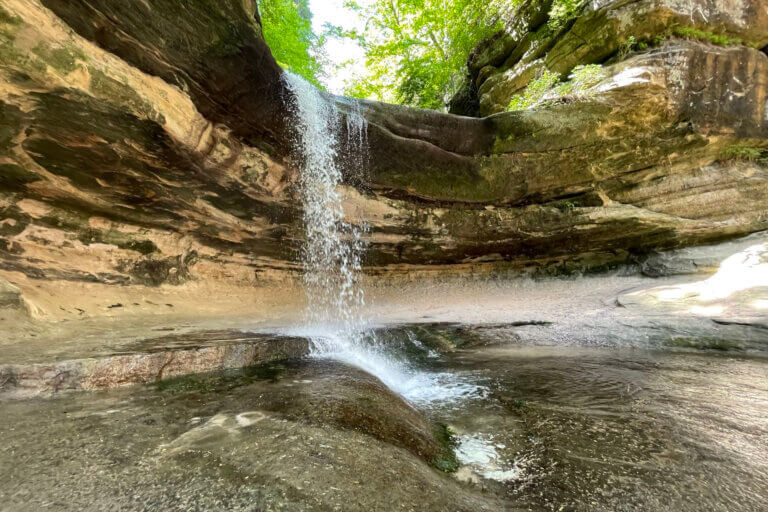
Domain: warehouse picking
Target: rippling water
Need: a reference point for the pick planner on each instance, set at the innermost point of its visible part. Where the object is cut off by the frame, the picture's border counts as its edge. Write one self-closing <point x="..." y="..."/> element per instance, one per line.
<point x="620" y="429"/>
<point x="537" y="428"/>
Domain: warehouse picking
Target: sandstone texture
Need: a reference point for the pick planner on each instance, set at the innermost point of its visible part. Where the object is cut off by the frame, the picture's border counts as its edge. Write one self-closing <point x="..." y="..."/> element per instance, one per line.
<point x="148" y="361"/>
<point x="145" y="159"/>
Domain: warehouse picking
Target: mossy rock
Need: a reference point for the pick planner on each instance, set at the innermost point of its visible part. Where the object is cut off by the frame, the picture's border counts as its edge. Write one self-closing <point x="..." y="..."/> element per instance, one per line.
<point x="347" y="398"/>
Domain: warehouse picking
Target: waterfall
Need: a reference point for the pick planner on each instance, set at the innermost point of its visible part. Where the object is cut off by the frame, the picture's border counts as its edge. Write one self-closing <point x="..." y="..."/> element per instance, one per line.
<point x="332" y="248"/>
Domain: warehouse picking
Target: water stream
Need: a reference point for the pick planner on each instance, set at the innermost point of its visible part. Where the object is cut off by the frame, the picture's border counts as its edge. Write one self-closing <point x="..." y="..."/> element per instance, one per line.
<point x="560" y="428"/>
<point x="333" y="248"/>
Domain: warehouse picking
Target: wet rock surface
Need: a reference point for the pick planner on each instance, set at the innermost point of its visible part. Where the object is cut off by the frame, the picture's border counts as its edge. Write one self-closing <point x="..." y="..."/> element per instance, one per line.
<point x="606" y="428"/>
<point x="223" y="442"/>
<point x="147" y="360"/>
<point x="703" y="298"/>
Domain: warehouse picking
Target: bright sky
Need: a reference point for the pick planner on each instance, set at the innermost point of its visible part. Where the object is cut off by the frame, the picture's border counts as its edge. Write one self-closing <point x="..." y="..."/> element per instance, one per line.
<point x="339" y="51"/>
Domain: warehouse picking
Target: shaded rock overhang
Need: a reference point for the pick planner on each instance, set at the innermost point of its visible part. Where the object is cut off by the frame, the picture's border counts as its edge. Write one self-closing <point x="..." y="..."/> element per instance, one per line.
<point x="635" y="166"/>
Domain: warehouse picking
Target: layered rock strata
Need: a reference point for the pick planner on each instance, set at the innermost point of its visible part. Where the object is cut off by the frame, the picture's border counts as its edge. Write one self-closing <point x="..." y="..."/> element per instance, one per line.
<point x="144" y="153"/>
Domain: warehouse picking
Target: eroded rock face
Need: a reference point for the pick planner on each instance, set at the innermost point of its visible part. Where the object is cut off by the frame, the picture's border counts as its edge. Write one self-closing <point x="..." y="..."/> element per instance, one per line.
<point x="144" y="152"/>
<point x="112" y="176"/>
<point x="606" y="29"/>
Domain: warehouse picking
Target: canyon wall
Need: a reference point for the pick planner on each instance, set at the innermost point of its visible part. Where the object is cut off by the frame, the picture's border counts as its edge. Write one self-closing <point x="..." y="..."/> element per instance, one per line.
<point x="145" y="160"/>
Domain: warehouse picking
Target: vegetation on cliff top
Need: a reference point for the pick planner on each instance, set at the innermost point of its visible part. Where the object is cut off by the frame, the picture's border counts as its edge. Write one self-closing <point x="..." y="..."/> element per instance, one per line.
<point x="416" y="50"/>
<point x="287" y="26"/>
<point x="548" y="87"/>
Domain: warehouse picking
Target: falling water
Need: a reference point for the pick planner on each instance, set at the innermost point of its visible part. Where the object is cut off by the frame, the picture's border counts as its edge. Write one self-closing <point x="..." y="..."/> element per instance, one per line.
<point x="333" y="247"/>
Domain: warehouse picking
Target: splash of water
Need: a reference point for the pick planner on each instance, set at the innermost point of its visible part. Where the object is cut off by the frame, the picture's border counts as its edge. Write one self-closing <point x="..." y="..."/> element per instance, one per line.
<point x="333" y="248"/>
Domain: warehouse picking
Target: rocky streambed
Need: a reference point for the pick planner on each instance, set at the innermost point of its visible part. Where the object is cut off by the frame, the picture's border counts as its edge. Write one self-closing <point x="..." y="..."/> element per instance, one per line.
<point x="607" y="392"/>
<point x="505" y="426"/>
<point x="711" y="298"/>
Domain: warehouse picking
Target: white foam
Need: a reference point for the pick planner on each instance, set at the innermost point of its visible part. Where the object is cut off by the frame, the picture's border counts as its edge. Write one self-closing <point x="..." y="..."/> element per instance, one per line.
<point x="479" y="453"/>
<point x="363" y="350"/>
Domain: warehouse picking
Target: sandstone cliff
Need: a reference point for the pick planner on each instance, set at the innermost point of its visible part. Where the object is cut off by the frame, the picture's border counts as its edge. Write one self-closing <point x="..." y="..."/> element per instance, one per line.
<point x="144" y="157"/>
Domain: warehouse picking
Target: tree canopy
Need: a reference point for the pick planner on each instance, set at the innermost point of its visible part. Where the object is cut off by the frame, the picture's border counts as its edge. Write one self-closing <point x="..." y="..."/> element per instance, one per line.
<point x="416" y="50"/>
<point x="287" y="26"/>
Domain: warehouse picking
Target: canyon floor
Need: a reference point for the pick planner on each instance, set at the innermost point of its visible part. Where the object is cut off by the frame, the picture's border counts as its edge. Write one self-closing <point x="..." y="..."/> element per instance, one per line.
<point x="532" y="428"/>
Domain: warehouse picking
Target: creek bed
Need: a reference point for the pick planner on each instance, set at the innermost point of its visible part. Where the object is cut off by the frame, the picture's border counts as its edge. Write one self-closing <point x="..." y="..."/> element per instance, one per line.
<point x="533" y="428"/>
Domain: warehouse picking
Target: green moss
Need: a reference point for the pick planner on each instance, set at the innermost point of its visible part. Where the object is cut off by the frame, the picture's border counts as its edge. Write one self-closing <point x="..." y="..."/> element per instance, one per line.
<point x="447" y="461"/>
<point x="227" y="46"/>
<point x="746" y="152"/>
<point x="11" y="118"/>
<point x="33" y="65"/>
<point x="8" y="18"/>
<point x="13" y="177"/>
<point x="9" y="54"/>
<point x="519" y="405"/>
<point x="704" y="343"/>
<point x="142" y="246"/>
<point x="121" y="240"/>
<point x="634" y="44"/>
<point x="73" y="162"/>
<point x="469" y="223"/>
<point x="186" y="384"/>
<point x="438" y="339"/>
<point x="458" y="185"/>
<point x="62" y="59"/>
<point x="66" y="220"/>
<point x="22" y="220"/>
<point x="216" y="382"/>
<point x="703" y="35"/>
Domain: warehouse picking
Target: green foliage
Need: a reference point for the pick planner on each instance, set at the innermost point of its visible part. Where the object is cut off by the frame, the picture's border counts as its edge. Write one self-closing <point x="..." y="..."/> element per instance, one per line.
<point x="567" y="206"/>
<point x="631" y="44"/>
<point x="547" y="86"/>
<point x="745" y="152"/>
<point x="703" y="35"/>
<point x="536" y="91"/>
<point x="287" y="27"/>
<point x="416" y="50"/>
<point x="627" y="46"/>
<point x="563" y="11"/>
<point x="581" y="79"/>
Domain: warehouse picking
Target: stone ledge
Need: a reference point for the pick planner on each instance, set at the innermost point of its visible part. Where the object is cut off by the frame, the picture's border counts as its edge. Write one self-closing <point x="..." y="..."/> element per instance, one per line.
<point x="161" y="358"/>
